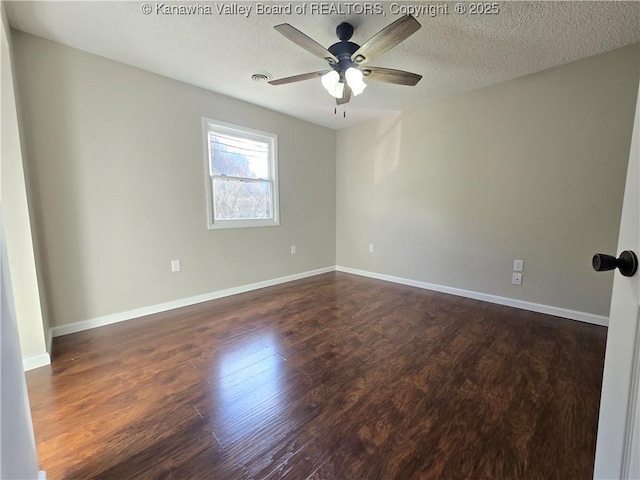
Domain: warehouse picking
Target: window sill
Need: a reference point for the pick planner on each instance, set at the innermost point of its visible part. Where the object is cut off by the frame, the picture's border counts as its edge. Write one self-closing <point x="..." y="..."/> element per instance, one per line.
<point x="225" y="224"/>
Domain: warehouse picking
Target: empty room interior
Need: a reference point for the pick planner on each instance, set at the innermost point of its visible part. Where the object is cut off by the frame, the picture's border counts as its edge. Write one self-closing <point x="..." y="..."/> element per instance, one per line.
<point x="340" y="240"/>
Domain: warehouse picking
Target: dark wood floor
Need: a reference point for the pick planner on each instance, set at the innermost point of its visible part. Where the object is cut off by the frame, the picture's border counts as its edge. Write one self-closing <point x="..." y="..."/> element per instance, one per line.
<point x="332" y="377"/>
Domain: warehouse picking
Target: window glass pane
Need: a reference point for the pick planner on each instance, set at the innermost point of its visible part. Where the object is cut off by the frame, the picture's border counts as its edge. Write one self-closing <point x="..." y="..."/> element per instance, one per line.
<point x="235" y="199"/>
<point x="238" y="157"/>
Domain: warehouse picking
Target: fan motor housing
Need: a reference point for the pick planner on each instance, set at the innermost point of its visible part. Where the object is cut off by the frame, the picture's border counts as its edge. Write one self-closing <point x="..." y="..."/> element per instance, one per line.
<point x="343" y="51"/>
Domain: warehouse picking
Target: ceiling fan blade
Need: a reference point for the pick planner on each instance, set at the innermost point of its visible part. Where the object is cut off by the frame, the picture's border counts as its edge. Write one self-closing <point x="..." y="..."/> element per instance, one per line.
<point x="308" y="43"/>
<point x="387" y="38"/>
<point x="298" y="78"/>
<point x="346" y="95"/>
<point x="389" y="75"/>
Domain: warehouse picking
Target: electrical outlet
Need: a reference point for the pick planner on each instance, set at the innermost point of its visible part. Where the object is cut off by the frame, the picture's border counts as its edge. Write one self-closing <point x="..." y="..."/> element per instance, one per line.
<point x="516" y="279"/>
<point x="293" y="249"/>
<point x="371" y="248"/>
<point x="175" y="265"/>
<point x="518" y="265"/>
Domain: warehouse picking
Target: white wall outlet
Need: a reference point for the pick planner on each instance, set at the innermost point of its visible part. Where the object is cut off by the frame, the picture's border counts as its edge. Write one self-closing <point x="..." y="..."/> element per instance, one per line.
<point x="175" y="265"/>
<point x="518" y="265"/>
<point x="293" y="249"/>
<point x="371" y="248"/>
<point x="516" y="279"/>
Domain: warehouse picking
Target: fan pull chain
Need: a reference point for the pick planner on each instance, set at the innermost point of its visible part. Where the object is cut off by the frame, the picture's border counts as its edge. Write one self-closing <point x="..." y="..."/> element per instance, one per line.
<point x="344" y="112"/>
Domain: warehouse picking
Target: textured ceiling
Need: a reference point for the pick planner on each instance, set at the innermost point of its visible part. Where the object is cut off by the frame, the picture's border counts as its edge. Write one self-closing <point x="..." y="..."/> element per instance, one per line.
<point x="454" y="52"/>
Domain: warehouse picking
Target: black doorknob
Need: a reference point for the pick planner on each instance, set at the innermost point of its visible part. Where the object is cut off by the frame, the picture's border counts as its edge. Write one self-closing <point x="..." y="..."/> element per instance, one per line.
<point x="627" y="263"/>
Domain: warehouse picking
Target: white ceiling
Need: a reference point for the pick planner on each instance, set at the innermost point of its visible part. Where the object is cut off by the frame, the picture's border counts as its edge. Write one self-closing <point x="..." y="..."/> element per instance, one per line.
<point x="454" y="53"/>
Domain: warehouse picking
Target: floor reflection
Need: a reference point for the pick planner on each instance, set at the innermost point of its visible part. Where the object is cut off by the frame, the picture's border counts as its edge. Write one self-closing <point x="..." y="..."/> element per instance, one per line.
<point x="248" y="388"/>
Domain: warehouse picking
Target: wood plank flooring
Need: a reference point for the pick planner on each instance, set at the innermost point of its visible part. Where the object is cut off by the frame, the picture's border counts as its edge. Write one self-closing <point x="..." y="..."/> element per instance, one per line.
<point x="331" y="377"/>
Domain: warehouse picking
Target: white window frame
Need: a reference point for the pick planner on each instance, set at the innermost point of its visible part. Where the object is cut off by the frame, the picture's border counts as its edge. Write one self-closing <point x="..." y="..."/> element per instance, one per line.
<point x="217" y="126"/>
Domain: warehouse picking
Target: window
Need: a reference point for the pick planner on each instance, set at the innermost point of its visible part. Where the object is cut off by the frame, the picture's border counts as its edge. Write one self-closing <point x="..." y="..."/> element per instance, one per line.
<point x="242" y="176"/>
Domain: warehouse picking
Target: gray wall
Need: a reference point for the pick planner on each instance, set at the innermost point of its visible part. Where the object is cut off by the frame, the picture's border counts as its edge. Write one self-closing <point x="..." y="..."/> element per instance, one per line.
<point x="452" y="192"/>
<point x="117" y="170"/>
<point x="32" y="320"/>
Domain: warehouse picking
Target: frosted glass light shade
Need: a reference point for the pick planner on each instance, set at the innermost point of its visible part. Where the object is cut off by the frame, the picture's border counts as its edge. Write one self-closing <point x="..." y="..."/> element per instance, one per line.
<point x="354" y="79"/>
<point x="331" y="82"/>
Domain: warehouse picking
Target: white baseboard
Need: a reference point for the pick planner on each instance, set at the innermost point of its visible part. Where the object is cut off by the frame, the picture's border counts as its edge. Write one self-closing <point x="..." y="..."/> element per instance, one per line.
<point x="485" y="297"/>
<point x="39" y="360"/>
<point x="183" y="302"/>
<point x="36" y="361"/>
<point x="42" y="475"/>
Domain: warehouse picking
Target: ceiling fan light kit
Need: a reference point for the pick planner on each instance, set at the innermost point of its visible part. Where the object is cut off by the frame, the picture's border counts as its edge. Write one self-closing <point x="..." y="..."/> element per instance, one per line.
<point x="345" y="58"/>
<point x="334" y="84"/>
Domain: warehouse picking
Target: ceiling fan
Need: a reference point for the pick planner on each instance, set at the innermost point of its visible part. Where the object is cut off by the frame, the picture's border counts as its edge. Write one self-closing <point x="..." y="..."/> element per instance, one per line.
<point x="347" y="59"/>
